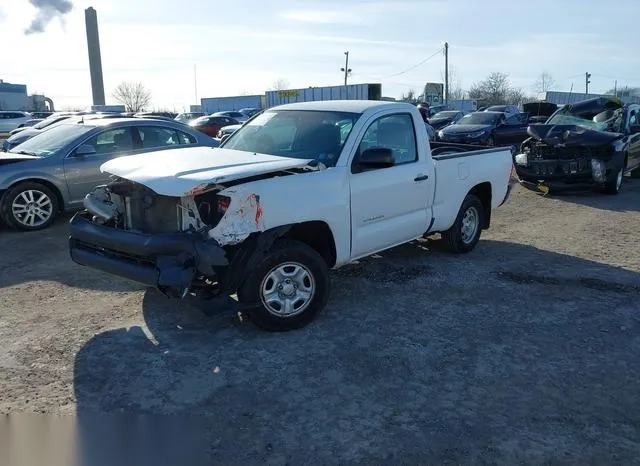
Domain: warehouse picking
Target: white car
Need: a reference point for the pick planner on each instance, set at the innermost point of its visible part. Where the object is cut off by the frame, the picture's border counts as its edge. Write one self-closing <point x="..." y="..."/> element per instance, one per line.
<point x="298" y="190"/>
<point x="11" y="120"/>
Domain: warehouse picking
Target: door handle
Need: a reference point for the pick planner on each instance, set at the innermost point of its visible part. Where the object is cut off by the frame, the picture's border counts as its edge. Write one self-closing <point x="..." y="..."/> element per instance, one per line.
<point x="421" y="178"/>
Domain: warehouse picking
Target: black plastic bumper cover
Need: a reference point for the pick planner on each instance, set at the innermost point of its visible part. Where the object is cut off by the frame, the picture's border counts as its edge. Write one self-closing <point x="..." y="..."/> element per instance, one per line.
<point x="159" y="260"/>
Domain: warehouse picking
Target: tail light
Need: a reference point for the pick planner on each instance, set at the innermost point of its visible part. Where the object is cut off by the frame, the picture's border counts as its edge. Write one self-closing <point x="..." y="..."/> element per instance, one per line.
<point x="223" y="203"/>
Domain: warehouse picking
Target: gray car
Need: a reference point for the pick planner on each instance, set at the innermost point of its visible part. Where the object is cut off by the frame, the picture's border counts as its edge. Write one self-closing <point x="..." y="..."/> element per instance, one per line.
<point x="54" y="170"/>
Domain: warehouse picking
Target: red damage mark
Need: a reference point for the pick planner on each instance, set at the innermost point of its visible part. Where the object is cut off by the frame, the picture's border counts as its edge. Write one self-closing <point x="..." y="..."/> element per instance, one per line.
<point x="255" y="202"/>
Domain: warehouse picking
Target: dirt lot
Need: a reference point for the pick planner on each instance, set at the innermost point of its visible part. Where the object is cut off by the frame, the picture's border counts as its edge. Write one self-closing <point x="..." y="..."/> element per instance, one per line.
<point x="525" y="350"/>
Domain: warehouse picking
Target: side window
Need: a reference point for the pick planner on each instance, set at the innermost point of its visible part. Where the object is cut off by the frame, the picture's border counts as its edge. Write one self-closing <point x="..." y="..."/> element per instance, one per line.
<point x="112" y="141"/>
<point x="395" y="132"/>
<point x="157" y="136"/>
<point x="633" y="118"/>
<point x="186" y="138"/>
<point x="517" y="119"/>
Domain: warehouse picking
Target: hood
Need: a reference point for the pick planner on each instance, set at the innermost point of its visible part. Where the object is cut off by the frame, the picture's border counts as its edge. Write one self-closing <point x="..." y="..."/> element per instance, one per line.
<point x="18" y="130"/>
<point x="184" y="171"/>
<point x="590" y="108"/>
<point x="7" y="158"/>
<point x="545" y="109"/>
<point x="571" y="135"/>
<point x="462" y="129"/>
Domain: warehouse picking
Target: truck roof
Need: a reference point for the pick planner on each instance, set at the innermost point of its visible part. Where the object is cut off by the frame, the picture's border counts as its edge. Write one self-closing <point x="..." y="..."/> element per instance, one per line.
<point x="355" y="106"/>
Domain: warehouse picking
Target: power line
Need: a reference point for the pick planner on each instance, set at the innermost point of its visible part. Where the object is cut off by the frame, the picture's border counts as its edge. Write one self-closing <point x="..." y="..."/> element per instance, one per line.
<point x="416" y="65"/>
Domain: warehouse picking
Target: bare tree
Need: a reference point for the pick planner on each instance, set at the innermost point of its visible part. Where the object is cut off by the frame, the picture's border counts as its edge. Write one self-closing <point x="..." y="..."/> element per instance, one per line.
<point x="280" y="84"/>
<point x="544" y="82"/>
<point x="493" y="90"/>
<point x="410" y="96"/>
<point x="134" y="96"/>
<point x="516" y="96"/>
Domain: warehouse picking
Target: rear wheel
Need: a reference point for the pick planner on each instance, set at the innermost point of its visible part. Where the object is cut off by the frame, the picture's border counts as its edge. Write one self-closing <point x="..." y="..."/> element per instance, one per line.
<point x="29" y="206"/>
<point x="464" y="234"/>
<point x="288" y="288"/>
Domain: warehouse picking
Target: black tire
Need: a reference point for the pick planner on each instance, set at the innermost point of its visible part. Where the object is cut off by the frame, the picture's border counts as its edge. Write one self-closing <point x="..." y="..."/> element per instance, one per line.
<point x="455" y="239"/>
<point x="13" y="193"/>
<point x="264" y="315"/>
<point x="613" y="185"/>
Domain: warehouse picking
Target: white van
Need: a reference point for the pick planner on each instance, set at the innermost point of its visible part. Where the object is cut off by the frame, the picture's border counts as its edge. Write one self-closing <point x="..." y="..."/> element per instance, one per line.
<point x="11" y="120"/>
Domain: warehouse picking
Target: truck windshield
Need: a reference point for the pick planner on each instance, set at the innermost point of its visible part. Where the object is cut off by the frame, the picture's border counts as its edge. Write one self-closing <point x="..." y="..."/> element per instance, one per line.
<point x="301" y="134"/>
<point x="565" y="117"/>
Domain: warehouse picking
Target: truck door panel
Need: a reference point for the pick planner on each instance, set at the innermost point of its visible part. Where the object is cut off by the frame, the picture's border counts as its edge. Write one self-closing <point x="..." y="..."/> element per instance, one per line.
<point x="389" y="205"/>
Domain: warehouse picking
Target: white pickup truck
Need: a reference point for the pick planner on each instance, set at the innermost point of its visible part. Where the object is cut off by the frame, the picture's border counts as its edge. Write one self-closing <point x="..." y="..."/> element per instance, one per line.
<point x="298" y="190"/>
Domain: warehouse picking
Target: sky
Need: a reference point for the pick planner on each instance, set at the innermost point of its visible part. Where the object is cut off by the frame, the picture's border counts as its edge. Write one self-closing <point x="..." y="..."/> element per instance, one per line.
<point x="185" y="49"/>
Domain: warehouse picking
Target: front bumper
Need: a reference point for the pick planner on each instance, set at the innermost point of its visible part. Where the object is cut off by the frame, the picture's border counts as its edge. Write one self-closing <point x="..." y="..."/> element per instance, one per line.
<point x="563" y="174"/>
<point x="168" y="262"/>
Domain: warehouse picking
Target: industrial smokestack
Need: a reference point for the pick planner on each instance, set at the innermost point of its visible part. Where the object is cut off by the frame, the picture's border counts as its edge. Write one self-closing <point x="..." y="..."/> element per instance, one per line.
<point x="95" y="60"/>
<point x="47" y="10"/>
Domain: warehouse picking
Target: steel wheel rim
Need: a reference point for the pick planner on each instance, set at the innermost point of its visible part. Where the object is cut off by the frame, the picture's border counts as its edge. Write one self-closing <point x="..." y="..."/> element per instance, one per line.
<point x="32" y="208"/>
<point x="470" y="220"/>
<point x="619" y="180"/>
<point x="287" y="289"/>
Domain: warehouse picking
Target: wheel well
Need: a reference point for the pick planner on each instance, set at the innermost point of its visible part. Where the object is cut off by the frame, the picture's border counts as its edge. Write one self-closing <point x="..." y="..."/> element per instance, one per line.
<point x="483" y="192"/>
<point x="54" y="189"/>
<point x="318" y="236"/>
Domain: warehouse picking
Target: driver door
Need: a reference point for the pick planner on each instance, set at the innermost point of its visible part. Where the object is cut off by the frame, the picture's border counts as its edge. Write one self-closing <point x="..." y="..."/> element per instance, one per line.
<point x="512" y="131"/>
<point x="390" y="206"/>
<point x="633" y="151"/>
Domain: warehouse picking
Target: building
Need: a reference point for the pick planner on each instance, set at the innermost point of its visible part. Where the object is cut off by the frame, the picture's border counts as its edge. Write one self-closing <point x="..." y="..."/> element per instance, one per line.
<point x="563" y="98"/>
<point x="220" y="104"/>
<point x="13" y="96"/>
<point x="286" y="96"/>
<point x="349" y="92"/>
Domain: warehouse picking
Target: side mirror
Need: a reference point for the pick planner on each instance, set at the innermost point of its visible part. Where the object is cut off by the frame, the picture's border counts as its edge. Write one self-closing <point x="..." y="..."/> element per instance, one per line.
<point x="224" y="138"/>
<point x="634" y="129"/>
<point x="84" y="149"/>
<point x="374" y="158"/>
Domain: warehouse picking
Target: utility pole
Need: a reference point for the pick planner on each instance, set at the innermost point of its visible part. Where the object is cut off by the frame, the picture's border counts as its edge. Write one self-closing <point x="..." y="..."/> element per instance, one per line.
<point x="446" y="73"/>
<point x="587" y="75"/>
<point x="195" y="83"/>
<point x="346" y="68"/>
<point x="615" y="88"/>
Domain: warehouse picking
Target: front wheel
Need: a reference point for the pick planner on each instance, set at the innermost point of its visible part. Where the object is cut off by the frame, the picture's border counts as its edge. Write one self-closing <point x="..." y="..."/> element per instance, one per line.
<point x="465" y="233"/>
<point x="288" y="289"/>
<point x="29" y="206"/>
<point x="613" y="185"/>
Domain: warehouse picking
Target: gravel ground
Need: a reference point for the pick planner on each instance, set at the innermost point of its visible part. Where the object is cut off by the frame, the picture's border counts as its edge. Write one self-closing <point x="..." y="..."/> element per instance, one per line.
<point x="523" y="351"/>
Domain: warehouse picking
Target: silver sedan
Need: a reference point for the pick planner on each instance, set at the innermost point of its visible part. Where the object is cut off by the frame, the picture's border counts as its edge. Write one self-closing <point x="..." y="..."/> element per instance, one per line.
<point x="54" y="170"/>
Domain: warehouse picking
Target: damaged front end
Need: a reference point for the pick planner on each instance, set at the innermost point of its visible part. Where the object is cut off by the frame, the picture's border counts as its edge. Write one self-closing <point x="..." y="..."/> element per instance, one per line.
<point x="566" y="155"/>
<point x="197" y="244"/>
